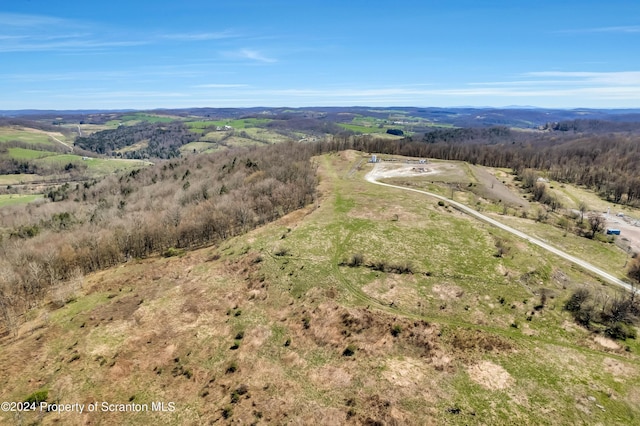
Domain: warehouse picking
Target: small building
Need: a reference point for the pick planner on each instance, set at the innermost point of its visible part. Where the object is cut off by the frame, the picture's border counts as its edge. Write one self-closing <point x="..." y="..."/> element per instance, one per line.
<point x="374" y="159"/>
<point x="612" y="231"/>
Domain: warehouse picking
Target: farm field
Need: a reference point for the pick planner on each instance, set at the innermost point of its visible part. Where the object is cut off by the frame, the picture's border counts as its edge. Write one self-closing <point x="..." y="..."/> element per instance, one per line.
<point x="17" y="178"/>
<point x="14" y="199"/>
<point x="28" y="154"/>
<point x="29" y="136"/>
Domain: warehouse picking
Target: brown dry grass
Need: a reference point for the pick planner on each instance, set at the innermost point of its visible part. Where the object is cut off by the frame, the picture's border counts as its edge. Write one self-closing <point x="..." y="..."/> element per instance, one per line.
<point x="490" y="376"/>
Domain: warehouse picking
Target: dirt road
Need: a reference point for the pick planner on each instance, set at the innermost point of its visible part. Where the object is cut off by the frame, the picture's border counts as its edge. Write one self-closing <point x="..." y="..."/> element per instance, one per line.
<point x="381" y="172"/>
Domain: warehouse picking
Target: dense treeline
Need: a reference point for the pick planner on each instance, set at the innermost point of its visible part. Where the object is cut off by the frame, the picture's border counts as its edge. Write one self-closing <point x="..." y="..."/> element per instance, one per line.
<point x="290" y="125"/>
<point x="591" y="126"/>
<point x="175" y="205"/>
<point x="163" y="140"/>
<point x="489" y="135"/>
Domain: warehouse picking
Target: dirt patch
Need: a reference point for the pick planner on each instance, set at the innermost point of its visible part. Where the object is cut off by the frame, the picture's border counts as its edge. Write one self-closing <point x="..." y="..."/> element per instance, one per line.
<point x="569" y="326"/>
<point x="494" y="189"/>
<point x="256" y="337"/>
<point x="502" y="270"/>
<point x="391" y="170"/>
<point x="350" y="155"/>
<point x="607" y="343"/>
<point x="404" y="373"/>
<point x="329" y="377"/>
<point x="121" y="309"/>
<point x="619" y="370"/>
<point x="490" y="376"/>
<point x="393" y="289"/>
<point x="447" y="291"/>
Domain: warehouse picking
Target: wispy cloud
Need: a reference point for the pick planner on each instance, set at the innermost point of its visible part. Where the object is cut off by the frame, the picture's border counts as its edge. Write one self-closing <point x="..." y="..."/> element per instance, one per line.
<point x="220" y="86"/>
<point x="251" y="54"/>
<point x="202" y="36"/>
<point x="628" y="29"/>
<point x="587" y="77"/>
<point x="621" y="85"/>
<point x="22" y="20"/>
<point x="70" y="44"/>
<point x="34" y="33"/>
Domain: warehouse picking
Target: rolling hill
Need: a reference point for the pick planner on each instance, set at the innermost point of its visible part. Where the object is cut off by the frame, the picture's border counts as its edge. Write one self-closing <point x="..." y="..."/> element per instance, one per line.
<point x="367" y="306"/>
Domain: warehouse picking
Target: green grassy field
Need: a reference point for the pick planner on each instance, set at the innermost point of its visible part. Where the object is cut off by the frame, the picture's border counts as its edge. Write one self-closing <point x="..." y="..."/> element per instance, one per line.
<point x="236" y="124"/>
<point x="148" y="118"/>
<point x="100" y="166"/>
<point x="198" y="147"/>
<point x="13" y="199"/>
<point x="362" y="129"/>
<point x="200" y="124"/>
<point x="28" y="136"/>
<point x="28" y="154"/>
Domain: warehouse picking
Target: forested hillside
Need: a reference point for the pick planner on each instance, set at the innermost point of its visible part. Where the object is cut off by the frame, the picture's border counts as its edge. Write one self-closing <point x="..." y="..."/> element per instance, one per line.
<point x="161" y="209"/>
<point x="163" y="140"/>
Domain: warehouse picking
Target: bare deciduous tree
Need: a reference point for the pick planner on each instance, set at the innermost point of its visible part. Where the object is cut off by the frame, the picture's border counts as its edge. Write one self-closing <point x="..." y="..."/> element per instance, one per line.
<point x="596" y="224"/>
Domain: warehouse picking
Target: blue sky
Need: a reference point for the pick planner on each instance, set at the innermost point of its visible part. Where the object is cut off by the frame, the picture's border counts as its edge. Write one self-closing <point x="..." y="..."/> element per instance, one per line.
<point x="66" y="54"/>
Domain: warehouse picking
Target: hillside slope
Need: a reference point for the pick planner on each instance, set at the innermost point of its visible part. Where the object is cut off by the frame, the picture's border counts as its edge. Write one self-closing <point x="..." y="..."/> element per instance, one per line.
<point x="372" y="306"/>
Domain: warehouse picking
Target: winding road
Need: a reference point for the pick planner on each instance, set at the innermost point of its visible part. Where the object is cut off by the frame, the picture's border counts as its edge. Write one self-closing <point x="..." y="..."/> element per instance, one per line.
<point x="372" y="177"/>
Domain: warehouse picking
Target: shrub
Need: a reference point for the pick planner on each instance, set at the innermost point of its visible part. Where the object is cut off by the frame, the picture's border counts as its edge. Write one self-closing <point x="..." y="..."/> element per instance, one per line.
<point x="621" y="331"/>
<point x="227" y="412"/>
<point x="232" y="368"/>
<point x="37" y="397"/>
<point x="172" y="251"/>
<point x="396" y="330"/>
<point x="577" y="299"/>
<point x="282" y="251"/>
<point x="350" y="350"/>
<point x="356" y="260"/>
<point x="401" y="268"/>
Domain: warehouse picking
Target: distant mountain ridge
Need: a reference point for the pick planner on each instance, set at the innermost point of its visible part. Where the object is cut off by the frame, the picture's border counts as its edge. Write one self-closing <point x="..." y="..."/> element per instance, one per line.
<point x="520" y="117"/>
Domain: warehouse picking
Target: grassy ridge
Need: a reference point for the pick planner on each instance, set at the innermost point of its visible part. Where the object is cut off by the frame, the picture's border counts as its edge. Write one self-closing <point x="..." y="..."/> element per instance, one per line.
<point x="257" y="329"/>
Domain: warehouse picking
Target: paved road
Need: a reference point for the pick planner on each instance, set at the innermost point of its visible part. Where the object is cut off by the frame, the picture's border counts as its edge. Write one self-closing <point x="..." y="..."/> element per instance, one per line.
<point x="371" y="177"/>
